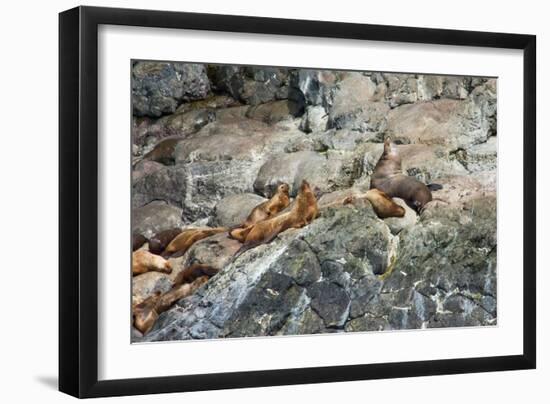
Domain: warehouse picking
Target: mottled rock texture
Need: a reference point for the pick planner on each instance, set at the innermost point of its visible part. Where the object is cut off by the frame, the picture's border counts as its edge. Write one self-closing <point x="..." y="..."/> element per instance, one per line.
<point x="210" y="142"/>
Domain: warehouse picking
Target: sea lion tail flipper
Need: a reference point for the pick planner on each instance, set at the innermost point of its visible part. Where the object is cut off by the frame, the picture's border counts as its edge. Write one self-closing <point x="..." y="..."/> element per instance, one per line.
<point x="434" y="187"/>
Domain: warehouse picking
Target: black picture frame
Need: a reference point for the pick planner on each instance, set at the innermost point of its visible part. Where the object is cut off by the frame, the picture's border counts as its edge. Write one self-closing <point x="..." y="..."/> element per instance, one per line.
<point x="78" y="201"/>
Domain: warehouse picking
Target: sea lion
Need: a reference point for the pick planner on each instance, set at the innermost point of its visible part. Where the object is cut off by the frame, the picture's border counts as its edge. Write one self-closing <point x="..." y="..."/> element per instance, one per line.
<point x="193" y="272"/>
<point x="277" y="203"/>
<point x="382" y="204"/>
<point x="137" y="241"/>
<point x="181" y="243"/>
<point x="159" y="242"/>
<point x="303" y="211"/>
<point x="143" y="261"/>
<point x="146" y="313"/>
<point x="388" y="177"/>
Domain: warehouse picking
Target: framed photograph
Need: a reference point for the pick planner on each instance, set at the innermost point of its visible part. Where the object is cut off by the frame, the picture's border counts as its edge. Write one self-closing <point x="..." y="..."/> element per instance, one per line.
<point x="251" y="201"/>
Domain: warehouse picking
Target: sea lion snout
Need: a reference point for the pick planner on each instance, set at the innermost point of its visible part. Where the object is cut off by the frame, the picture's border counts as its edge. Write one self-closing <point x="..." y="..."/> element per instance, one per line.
<point x="284" y="187"/>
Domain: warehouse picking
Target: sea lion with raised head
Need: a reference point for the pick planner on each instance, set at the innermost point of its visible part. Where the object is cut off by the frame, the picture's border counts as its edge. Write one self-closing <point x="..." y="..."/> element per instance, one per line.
<point x="146" y="313"/>
<point x="388" y="177"/>
<point x="181" y="243"/>
<point x="265" y="210"/>
<point x="303" y="211"/>
<point x="159" y="242"/>
<point x="143" y="261"/>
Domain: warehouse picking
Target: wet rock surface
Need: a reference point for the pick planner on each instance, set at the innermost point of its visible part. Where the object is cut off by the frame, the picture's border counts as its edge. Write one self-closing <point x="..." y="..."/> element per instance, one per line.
<point x="223" y="137"/>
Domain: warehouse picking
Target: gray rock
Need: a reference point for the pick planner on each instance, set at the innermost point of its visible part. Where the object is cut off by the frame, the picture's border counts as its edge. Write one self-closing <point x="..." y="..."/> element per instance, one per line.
<point x="401" y="88"/>
<point x="234" y="209"/>
<point x="331" y="302"/>
<point x="398" y="224"/>
<point x="251" y="85"/>
<point x="313" y="87"/>
<point x="315" y="119"/>
<point x="155" y="217"/>
<point x="158" y="88"/>
<point x="451" y="123"/>
<point x="480" y="157"/>
<point x="274" y="111"/>
<point x="326" y="172"/>
<point x="166" y="184"/>
<point x="354" y="105"/>
<point x="147" y="284"/>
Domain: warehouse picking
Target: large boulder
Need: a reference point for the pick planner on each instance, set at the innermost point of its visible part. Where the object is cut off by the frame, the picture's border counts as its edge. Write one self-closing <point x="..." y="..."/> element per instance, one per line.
<point x="251" y="85"/>
<point x="455" y="124"/>
<point x="167" y="184"/>
<point x="158" y="88"/>
<point x="155" y="217"/>
<point x="355" y="106"/>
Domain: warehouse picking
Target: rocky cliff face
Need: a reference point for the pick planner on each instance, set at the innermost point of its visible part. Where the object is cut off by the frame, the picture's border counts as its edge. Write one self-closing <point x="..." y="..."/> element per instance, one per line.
<point x="211" y="142"/>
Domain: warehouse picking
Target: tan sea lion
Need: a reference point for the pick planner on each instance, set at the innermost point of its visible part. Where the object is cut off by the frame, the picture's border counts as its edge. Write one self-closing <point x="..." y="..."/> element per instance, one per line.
<point x="146" y="313"/>
<point x="159" y="242"/>
<point x="382" y="204"/>
<point x="180" y="244"/>
<point x="277" y="203"/>
<point x="143" y="261"/>
<point x="303" y="211"/>
<point x="388" y="177"/>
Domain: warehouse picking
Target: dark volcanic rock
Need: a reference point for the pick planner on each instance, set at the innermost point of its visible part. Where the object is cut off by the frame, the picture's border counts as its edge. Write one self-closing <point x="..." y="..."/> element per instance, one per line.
<point x="251" y="85"/>
<point x="331" y="302"/>
<point x="158" y="88"/>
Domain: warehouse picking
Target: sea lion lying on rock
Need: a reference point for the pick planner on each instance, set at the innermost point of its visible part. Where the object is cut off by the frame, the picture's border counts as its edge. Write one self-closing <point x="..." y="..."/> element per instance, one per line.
<point x="146" y="313"/>
<point x="388" y="177"/>
<point x="265" y="210"/>
<point x="383" y="205"/>
<point x="180" y="244"/>
<point x="159" y="242"/>
<point x="143" y="261"/>
<point x="303" y="211"/>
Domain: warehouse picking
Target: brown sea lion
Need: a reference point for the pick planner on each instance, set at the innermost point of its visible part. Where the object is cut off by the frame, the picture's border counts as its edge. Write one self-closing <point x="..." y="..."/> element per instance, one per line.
<point x="159" y="242"/>
<point x="388" y="177"/>
<point x="180" y="244"/>
<point x="146" y="313"/>
<point x="382" y="204"/>
<point x="143" y="261"/>
<point x="303" y="211"/>
<point x="137" y="241"/>
<point x="193" y="272"/>
<point x="277" y="203"/>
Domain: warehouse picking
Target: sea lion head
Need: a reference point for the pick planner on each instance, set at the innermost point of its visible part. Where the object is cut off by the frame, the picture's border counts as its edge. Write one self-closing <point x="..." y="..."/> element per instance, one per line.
<point x="305" y="187"/>
<point x="167" y="267"/>
<point x="390" y="148"/>
<point x="283" y="188"/>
